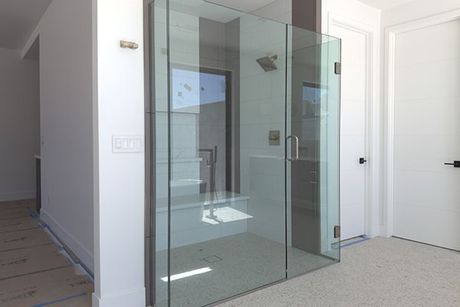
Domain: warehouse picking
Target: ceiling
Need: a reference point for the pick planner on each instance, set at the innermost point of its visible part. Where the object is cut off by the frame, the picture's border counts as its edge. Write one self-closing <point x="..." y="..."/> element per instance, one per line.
<point x="219" y="10"/>
<point x="243" y="5"/>
<point x="18" y="18"/>
<point x="385" y="4"/>
<point x="252" y="5"/>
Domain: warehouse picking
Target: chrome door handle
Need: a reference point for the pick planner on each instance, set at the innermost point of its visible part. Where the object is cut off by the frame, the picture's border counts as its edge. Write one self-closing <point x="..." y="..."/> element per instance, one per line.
<point x="296" y="150"/>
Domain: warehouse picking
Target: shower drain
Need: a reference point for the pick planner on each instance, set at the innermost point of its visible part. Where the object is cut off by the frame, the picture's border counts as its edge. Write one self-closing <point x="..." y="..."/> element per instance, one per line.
<point x="212" y="259"/>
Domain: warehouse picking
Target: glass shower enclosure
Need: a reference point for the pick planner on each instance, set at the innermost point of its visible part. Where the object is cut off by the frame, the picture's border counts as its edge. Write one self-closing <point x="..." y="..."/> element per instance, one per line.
<point x="244" y="153"/>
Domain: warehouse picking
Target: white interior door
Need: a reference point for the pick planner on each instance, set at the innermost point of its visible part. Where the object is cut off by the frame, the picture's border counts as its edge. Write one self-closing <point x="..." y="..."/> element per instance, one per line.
<point x="427" y="134"/>
<point x="353" y="130"/>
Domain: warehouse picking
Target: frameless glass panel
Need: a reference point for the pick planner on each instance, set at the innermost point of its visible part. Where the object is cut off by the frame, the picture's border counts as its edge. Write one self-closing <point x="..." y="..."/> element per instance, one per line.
<point x="312" y="164"/>
<point x="159" y="156"/>
<point x="245" y="158"/>
<point x="330" y="150"/>
<point x="227" y="98"/>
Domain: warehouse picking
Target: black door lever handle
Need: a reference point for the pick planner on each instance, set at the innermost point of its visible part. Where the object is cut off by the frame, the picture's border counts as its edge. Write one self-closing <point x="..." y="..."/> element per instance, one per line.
<point x="454" y="164"/>
<point x="362" y="160"/>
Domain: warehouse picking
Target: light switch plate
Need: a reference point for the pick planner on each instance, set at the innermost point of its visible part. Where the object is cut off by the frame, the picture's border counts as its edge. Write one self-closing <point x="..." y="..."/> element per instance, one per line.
<point x="127" y="144"/>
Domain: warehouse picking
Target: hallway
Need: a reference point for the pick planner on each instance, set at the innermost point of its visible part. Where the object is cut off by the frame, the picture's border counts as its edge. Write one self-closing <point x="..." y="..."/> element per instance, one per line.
<point x="34" y="268"/>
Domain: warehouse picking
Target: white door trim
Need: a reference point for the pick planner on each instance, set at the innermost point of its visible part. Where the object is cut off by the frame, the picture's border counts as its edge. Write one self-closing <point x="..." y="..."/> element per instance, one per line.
<point x="390" y="50"/>
<point x="372" y="211"/>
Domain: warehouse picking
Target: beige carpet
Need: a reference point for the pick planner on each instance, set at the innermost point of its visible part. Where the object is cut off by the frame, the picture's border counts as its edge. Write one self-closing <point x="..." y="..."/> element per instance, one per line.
<point x="378" y="272"/>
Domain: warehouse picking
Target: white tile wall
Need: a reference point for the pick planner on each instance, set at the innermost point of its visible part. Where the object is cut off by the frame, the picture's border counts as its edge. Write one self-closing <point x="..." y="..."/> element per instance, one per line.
<point x="267" y="197"/>
<point x="262" y="109"/>
<point x="184" y="42"/>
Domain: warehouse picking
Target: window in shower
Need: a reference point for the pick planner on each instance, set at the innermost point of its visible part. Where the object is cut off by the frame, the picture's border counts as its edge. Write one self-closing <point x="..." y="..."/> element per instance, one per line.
<point x="313" y="94"/>
<point x="196" y="88"/>
<point x="202" y="97"/>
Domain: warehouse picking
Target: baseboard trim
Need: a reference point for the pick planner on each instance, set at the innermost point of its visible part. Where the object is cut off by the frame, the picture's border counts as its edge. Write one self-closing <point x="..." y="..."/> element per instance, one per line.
<point x="17" y="196"/>
<point x="77" y="249"/>
<point x="133" y="298"/>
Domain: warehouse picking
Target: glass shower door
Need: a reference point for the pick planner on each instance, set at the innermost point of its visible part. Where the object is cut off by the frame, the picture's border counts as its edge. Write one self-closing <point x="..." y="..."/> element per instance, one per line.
<point x="245" y="152"/>
<point x="313" y="223"/>
<point x="226" y="121"/>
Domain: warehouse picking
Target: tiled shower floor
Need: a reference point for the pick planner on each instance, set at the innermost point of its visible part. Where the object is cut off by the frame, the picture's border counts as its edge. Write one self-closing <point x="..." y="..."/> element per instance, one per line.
<point x="225" y="267"/>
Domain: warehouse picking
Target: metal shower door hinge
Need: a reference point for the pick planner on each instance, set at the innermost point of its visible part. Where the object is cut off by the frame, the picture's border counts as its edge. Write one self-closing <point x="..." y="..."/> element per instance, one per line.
<point x="338" y="68"/>
<point x="337" y="232"/>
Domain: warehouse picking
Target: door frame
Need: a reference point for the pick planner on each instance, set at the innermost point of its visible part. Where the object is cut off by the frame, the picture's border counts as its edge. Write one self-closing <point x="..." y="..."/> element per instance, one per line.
<point x="372" y="152"/>
<point x="389" y="93"/>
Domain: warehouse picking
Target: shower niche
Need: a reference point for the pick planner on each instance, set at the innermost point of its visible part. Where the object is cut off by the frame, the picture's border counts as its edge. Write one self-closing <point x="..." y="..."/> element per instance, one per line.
<point x="244" y="152"/>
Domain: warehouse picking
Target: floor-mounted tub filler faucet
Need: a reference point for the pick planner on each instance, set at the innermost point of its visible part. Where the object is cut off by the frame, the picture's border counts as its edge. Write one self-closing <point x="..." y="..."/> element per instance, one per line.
<point x="211" y="163"/>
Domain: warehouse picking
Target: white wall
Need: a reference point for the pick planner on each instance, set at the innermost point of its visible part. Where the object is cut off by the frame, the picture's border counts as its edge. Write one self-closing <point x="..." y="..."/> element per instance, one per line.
<point x="416" y="10"/>
<point x="351" y="9"/>
<point x="278" y="10"/>
<point x="19" y="125"/>
<point x="66" y="123"/>
<point x="91" y="90"/>
<point x="119" y="177"/>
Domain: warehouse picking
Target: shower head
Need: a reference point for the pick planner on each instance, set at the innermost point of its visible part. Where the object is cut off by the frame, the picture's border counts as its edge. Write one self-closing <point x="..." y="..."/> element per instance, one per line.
<point x="268" y="63"/>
